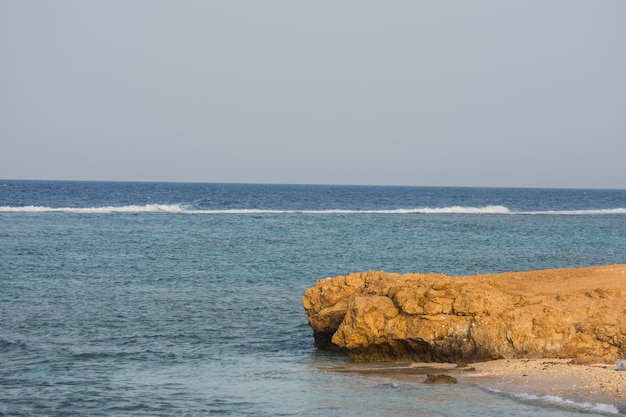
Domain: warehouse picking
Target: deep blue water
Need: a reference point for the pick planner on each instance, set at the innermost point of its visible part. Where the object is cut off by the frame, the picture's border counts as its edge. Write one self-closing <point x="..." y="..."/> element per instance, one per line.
<point x="162" y="299"/>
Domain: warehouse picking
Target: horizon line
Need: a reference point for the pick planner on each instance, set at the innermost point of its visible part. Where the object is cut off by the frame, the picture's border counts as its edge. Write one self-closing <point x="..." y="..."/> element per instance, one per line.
<point x="549" y="187"/>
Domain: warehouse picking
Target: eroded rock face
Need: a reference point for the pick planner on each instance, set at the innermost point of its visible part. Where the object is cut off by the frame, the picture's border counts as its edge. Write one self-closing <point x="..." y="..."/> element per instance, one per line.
<point x="575" y="313"/>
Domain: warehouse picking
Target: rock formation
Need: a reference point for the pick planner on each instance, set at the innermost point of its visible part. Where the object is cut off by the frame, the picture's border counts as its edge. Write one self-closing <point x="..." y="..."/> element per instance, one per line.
<point x="577" y="313"/>
<point x="440" y="379"/>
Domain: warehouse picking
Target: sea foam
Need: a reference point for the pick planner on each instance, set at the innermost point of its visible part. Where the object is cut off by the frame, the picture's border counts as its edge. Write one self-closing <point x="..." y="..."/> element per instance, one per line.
<point x="181" y="208"/>
<point x="189" y="209"/>
<point x="579" y="212"/>
<point x="559" y="401"/>
<point x="147" y="208"/>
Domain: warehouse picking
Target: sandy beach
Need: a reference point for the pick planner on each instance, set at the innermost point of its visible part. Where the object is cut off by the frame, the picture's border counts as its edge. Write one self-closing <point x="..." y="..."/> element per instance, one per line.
<point x="558" y="380"/>
<point x="590" y="383"/>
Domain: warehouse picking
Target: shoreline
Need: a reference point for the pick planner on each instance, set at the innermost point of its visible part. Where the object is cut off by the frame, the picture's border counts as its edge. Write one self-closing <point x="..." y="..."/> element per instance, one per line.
<point x="600" y="387"/>
<point x="562" y="378"/>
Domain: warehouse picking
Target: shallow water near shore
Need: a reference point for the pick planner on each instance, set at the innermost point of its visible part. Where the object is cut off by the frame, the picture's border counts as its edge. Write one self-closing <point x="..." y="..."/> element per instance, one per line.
<point x="184" y="299"/>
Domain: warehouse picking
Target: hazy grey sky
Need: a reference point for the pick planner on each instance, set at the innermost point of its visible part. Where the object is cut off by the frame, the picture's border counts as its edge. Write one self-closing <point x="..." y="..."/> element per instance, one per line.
<point x="471" y="93"/>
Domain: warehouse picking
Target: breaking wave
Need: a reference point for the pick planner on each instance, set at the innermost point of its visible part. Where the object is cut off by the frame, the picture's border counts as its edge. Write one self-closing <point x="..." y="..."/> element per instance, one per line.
<point x="147" y="208"/>
<point x="189" y="209"/>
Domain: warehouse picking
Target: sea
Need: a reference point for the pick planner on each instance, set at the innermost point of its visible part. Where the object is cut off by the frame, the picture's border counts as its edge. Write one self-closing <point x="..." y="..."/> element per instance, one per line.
<point x="184" y="299"/>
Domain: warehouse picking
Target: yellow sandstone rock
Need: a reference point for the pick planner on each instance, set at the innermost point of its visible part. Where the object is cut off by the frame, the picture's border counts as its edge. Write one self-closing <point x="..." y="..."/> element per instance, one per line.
<point x="575" y="313"/>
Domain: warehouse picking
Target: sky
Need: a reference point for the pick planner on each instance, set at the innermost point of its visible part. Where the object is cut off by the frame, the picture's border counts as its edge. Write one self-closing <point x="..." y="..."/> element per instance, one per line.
<point x="497" y="93"/>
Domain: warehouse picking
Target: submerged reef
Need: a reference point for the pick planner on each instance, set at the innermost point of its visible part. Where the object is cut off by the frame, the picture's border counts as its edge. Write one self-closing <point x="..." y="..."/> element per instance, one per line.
<point x="572" y="313"/>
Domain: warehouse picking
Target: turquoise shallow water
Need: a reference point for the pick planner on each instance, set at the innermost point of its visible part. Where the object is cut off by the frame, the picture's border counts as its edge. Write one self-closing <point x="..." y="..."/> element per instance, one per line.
<point x="184" y="299"/>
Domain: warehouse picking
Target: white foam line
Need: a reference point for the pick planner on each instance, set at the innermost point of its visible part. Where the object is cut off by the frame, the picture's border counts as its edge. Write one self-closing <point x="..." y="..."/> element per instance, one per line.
<point x="445" y="210"/>
<point x="577" y="212"/>
<point x="184" y="209"/>
<point x="148" y="208"/>
<point x="554" y="399"/>
<point x="177" y="208"/>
